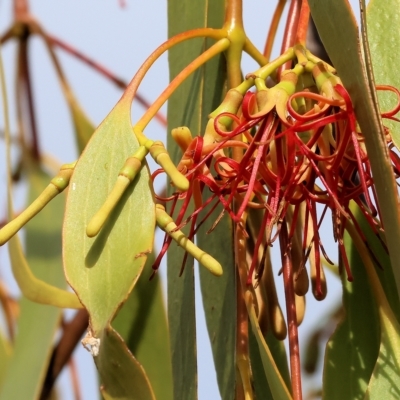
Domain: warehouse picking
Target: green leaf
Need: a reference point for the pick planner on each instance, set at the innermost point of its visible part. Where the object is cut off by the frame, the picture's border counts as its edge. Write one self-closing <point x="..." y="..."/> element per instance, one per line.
<point x="142" y="323"/>
<point x="276" y="382"/>
<point x="5" y="356"/>
<point x="384" y="40"/>
<point x="260" y="382"/>
<point x="385" y="378"/>
<point x="200" y="94"/>
<point x="352" y="360"/>
<point x="182" y="328"/>
<point x="338" y="30"/>
<point x="384" y="270"/>
<point x="219" y="295"/>
<point x="278" y="352"/>
<point x="37" y="324"/>
<point x="388" y="362"/>
<point x="122" y="377"/>
<point x="352" y="350"/>
<point x="103" y="270"/>
<point x="219" y="301"/>
<point x="83" y="126"/>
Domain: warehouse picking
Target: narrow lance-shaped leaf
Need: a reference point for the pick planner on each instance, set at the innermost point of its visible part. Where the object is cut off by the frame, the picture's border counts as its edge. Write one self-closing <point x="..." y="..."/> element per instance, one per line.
<point x="384" y="40"/>
<point x="5" y="355"/>
<point x="276" y="382"/>
<point x="83" y="126"/>
<point x="352" y="350"/>
<point x="194" y="100"/>
<point x="37" y="323"/>
<point x="182" y="105"/>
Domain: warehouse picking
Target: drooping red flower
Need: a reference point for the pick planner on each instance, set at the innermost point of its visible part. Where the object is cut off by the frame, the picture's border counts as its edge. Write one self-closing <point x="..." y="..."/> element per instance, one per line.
<point x="309" y="154"/>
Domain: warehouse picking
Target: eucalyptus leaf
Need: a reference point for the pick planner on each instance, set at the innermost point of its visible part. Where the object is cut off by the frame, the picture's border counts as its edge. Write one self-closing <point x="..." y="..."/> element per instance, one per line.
<point x="384" y="40"/>
<point x="219" y="295"/>
<point x="385" y="378"/>
<point x="278" y="352"/>
<point x="182" y="111"/>
<point x="219" y="301"/>
<point x="260" y="382"/>
<point x="353" y="348"/>
<point x="384" y="269"/>
<point x="37" y="323"/>
<point x="190" y="107"/>
<point x="5" y="356"/>
<point x="103" y="270"/>
<point x="276" y="382"/>
<point x="83" y="126"/>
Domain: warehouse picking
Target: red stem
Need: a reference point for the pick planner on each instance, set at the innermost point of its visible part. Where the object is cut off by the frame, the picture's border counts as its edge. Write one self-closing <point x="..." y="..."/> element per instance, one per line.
<point x="289" y="37"/>
<point x="21" y="9"/>
<point x="291" y="313"/>
<point x="273" y="28"/>
<point x="302" y="26"/>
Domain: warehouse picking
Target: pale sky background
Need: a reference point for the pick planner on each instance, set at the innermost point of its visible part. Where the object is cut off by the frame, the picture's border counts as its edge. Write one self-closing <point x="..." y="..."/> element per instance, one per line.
<point x="121" y="39"/>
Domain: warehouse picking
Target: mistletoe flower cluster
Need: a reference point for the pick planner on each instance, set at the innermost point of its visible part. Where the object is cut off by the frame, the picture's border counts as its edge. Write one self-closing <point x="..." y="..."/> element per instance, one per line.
<point x="284" y="152"/>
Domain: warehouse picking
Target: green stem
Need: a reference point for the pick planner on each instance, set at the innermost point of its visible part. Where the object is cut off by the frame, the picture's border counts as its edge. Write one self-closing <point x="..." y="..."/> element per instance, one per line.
<point x="268" y="69"/>
<point x="236" y="34"/>
<point x="253" y="52"/>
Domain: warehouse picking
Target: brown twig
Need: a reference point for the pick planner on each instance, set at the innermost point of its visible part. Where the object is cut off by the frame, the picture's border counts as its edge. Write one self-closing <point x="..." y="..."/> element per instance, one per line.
<point x="72" y="333"/>
<point x="74" y="379"/>
<point x="21" y="9"/>
<point x="26" y="95"/>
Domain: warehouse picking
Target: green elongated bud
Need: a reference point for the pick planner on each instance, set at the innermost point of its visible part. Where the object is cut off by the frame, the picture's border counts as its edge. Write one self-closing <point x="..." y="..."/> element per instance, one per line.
<point x="99" y="219"/>
<point x="166" y="223"/>
<point x="56" y="186"/>
<point x="126" y="175"/>
<point x="162" y="158"/>
<point x="182" y="136"/>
